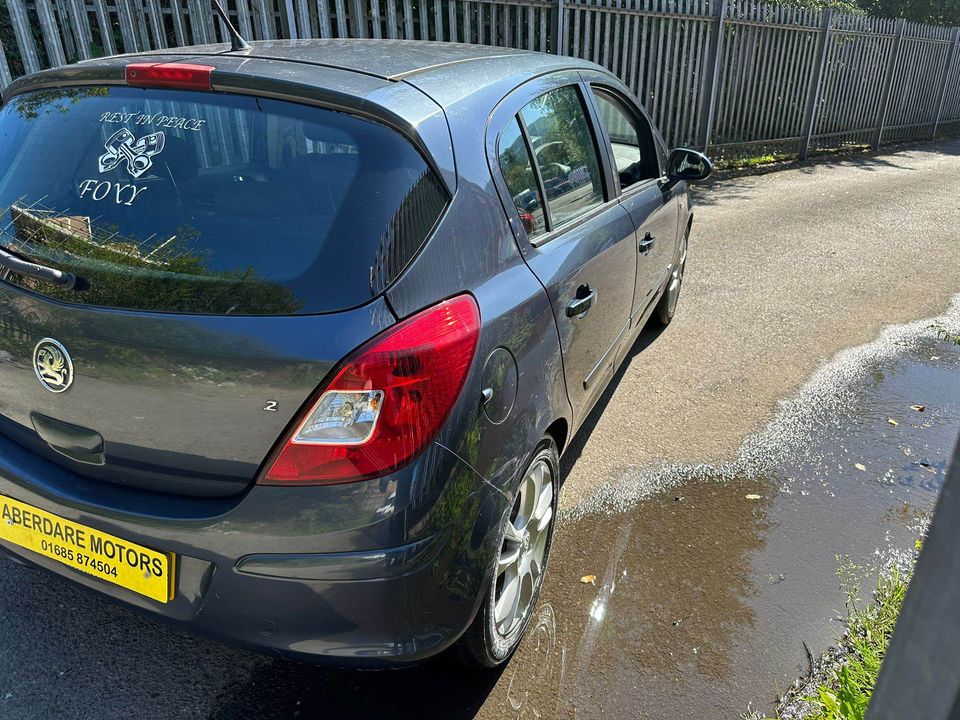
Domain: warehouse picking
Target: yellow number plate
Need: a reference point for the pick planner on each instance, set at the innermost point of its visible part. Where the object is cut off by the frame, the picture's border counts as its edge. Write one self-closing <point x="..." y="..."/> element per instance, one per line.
<point x="96" y="553"/>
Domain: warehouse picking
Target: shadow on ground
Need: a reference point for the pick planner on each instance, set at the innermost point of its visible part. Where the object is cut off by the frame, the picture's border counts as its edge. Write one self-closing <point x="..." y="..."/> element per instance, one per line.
<point x="574" y="449"/>
<point x="731" y="184"/>
<point x="282" y="690"/>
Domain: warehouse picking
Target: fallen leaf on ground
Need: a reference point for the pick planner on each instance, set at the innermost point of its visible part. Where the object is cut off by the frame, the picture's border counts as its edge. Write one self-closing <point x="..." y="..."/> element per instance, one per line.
<point x="752" y="497"/>
<point x="860" y="466"/>
<point x="892" y="422"/>
<point x="918" y="408"/>
<point x="589" y="579"/>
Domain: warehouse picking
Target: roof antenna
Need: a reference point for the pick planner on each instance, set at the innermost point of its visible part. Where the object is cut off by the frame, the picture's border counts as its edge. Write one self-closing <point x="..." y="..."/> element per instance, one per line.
<point x="236" y="39"/>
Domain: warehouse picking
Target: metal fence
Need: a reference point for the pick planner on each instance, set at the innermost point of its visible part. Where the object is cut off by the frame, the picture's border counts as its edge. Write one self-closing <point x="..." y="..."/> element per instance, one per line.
<point x="732" y="75"/>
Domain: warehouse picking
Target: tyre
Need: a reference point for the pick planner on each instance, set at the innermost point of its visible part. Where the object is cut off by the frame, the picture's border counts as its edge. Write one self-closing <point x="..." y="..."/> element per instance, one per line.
<point x="668" y="302"/>
<point x="526" y="534"/>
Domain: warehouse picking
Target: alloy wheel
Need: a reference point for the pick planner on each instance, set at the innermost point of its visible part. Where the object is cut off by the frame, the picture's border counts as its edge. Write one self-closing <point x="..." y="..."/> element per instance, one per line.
<point x="676" y="279"/>
<point x="520" y="563"/>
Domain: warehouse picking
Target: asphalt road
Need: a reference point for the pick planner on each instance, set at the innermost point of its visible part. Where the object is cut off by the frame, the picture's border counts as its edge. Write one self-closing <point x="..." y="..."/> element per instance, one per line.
<point x="785" y="269"/>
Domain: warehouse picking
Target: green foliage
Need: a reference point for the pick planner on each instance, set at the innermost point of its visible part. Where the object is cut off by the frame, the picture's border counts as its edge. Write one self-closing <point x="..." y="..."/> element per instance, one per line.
<point x="846" y="695"/>
<point x="744" y="162"/>
<point x="844" y="6"/>
<point x="846" y="701"/>
<point x="9" y="40"/>
<point x="121" y="271"/>
<point x="943" y="12"/>
<point x="945" y="334"/>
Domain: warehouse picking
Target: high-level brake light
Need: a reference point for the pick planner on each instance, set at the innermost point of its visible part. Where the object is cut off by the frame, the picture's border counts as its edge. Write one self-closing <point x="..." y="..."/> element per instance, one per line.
<point x="183" y="76"/>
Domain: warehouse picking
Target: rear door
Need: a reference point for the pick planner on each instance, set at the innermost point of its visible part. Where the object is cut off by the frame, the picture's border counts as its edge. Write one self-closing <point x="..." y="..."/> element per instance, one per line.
<point x="229" y="250"/>
<point x="575" y="237"/>
<point x="630" y="144"/>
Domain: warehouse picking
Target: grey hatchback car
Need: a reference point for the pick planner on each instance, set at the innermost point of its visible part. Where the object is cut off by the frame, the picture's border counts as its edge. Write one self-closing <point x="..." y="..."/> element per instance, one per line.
<point x="292" y="336"/>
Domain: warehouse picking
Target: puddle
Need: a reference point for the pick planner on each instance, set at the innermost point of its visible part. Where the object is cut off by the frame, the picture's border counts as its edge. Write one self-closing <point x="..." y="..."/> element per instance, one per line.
<point x="708" y="595"/>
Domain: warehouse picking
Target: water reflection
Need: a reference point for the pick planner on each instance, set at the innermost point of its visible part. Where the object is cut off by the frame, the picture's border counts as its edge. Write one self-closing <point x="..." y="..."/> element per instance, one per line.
<point x="672" y="579"/>
<point x="161" y="272"/>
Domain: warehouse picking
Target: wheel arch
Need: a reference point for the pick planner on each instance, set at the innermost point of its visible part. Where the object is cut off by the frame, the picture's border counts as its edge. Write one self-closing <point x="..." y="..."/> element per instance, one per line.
<point x="559" y="430"/>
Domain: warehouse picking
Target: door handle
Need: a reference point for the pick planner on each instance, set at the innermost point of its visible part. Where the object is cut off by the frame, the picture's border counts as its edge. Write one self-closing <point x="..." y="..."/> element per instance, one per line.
<point x="646" y="245"/>
<point x="583" y="301"/>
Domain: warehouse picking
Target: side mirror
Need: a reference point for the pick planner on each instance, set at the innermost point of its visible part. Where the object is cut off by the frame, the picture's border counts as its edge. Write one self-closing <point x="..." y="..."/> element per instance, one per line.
<point x="688" y="165"/>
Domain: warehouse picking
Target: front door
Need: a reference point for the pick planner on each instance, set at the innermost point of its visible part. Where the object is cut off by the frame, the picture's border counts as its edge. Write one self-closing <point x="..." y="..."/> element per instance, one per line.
<point x="629" y="142"/>
<point x="580" y="243"/>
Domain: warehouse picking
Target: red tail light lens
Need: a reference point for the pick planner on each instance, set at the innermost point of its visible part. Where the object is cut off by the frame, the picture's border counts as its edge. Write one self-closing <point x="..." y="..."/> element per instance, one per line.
<point x="170" y="75"/>
<point x="386" y="403"/>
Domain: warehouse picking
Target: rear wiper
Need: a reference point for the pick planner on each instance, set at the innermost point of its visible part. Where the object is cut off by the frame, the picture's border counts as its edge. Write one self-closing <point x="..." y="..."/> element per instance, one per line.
<point x="65" y="280"/>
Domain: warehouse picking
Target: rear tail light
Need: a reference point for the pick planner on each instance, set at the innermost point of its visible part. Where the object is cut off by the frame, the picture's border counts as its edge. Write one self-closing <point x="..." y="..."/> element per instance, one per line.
<point x="386" y="403"/>
<point x="170" y="75"/>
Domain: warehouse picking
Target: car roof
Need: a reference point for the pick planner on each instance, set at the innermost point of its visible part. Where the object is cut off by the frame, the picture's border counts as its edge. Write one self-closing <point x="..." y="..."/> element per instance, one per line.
<point x="391" y="59"/>
<point x="448" y="72"/>
<point x="441" y="66"/>
<point x="387" y="59"/>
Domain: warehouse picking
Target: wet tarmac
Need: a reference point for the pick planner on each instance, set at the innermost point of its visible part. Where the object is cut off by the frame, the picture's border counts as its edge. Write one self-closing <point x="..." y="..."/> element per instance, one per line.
<point x="711" y="585"/>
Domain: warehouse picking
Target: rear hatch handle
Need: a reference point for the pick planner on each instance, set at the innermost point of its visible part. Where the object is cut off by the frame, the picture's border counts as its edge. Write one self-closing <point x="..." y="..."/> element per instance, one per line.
<point x="66" y="280"/>
<point x="77" y="443"/>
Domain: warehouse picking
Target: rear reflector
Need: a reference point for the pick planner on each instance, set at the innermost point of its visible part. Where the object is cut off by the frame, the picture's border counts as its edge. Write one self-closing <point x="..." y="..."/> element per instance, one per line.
<point x="386" y="403"/>
<point x="170" y="75"/>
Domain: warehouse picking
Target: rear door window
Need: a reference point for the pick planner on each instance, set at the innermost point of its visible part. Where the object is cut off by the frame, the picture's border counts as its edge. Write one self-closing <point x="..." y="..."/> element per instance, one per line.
<point x="565" y="153"/>
<point x="194" y="202"/>
<point x="520" y="179"/>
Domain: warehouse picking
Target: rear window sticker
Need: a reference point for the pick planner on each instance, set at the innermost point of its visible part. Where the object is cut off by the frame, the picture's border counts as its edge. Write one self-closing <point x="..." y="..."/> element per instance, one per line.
<point x="123" y="146"/>
<point x="120" y="193"/>
<point x="172" y="122"/>
<point x="123" y="149"/>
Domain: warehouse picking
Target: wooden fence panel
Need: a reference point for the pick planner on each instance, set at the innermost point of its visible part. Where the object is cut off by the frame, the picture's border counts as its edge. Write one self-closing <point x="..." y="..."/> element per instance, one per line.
<point x="737" y="75"/>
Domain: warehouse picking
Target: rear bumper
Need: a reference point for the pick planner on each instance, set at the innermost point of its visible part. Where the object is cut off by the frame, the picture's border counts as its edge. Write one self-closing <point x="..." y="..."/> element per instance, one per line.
<point x="382" y="572"/>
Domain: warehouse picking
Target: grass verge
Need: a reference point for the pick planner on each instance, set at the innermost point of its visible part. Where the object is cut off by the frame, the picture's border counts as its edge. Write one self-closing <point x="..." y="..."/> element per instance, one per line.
<point x="841" y="682"/>
<point x="845" y="694"/>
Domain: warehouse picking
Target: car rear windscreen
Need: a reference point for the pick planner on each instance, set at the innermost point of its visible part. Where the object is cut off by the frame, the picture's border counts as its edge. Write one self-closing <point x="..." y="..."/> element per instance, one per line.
<point x="179" y="201"/>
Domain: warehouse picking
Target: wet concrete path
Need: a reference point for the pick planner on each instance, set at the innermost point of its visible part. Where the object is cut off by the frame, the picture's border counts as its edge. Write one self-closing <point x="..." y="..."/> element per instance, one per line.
<point x="708" y="583"/>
